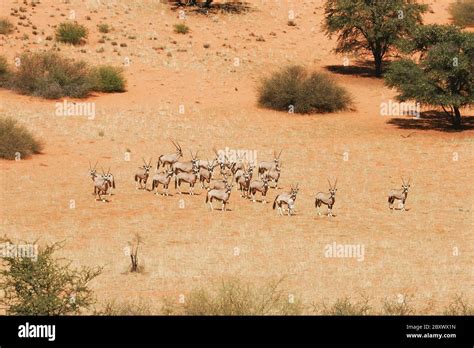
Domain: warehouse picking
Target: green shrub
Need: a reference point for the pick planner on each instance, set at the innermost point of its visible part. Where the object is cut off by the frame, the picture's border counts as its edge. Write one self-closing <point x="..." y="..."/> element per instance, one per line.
<point x="45" y="285"/>
<point x="108" y="79"/>
<point x="181" y="28"/>
<point x="51" y="76"/>
<point x="462" y="12"/>
<point x="104" y="28"/>
<point x="293" y="89"/>
<point x="15" y="138"/>
<point x="6" y="27"/>
<point x="236" y="298"/>
<point x="71" y="33"/>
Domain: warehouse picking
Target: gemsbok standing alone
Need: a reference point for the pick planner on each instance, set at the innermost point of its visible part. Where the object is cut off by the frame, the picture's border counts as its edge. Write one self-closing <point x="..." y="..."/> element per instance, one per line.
<point x="399" y="195"/>
<point x="102" y="185"/>
<point x="326" y="198"/>
<point x="288" y="199"/>
<point x="142" y="175"/>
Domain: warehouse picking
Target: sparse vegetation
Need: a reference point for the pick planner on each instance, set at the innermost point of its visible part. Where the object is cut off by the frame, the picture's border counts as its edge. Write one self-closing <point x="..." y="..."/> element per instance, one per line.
<point x="4" y="70"/>
<point x="45" y="285"/>
<point x="294" y="89"/>
<point x="399" y="307"/>
<point x="462" y="12"/>
<point x="104" y="28"/>
<point x="181" y="28"/>
<point x="15" y="138"/>
<point x="71" y="33"/>
<point x="236" y="298"/>
<point x="346" y="306"/>
<point x="128" y="308"/>
<point x="459" y="306"/>
<point x="108" y="79"/>
<point x="6" y="27"/>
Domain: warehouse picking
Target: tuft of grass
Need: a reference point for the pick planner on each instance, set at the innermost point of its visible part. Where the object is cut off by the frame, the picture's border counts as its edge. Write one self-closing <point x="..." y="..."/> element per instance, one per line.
<point x="108" y="79"/>
<point x="294" y="89"/>
<point x="128" y="308"/>
<point x="396" y="307"/>
<point x="71" y="33"/>
<point x="15" y="138"/>
<point x="6" y="27"/>
<point x="233" y="297"/>
<point x="181" y="28"/>
<point x="4" y="71"/>
<point x="104" y="28"/>
<point x="462" y="12"/>
<point x="346" y="306"/>
<point x="459" y="306"/>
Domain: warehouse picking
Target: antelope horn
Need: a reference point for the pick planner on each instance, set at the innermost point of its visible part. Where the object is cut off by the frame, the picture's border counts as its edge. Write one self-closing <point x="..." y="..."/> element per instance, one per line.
<point x="149" y="163"/>
<point x="96" y="163"/>
<point x="335" y="183"/>
<point x="108" y="172"/>
<point x="329" y="184"/>
<point x="103" y="173"/>
<point x="403" y="181"/>
<point x="90" y="166"/>
<point x="280" y="154"/>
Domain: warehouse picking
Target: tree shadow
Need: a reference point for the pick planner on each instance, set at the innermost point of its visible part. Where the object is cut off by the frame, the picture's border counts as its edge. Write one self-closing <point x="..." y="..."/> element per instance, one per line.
<point x="237" y="7"/>
<point x="362" y="68"/>
<point x="432" y="120"/>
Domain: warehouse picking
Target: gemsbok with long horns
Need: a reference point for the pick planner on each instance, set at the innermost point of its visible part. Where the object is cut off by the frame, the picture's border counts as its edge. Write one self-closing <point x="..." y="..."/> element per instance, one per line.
<point x="172" y="158"/>
<point x="288" y="199"/>
<point x="162" y="179"/>
<point x="186" y="167"/>
<point x="102" y="185"/>
<point x="267" y="165"/>
<point x="259" y="186"/>
<point x="205" y="174"/>
<point x="189" y="178"/>
<point x="326" y="198"/>
<point x="399" y="195"/>
<point x="142" y="175"/>
<point x="221" y="195"/>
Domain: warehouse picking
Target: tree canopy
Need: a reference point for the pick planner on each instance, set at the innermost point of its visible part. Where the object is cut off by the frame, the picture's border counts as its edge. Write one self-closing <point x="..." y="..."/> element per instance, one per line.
<point x="371" y="25"/>
<point x="442" y="72"/>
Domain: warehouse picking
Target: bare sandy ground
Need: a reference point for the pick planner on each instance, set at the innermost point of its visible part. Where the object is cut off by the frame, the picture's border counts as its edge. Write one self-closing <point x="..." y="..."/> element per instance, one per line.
<point x="425" y="252"/>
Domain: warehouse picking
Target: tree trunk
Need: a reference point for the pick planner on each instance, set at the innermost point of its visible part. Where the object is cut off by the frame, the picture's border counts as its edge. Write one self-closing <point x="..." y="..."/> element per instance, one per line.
<point x="378" y="62"/>
<point x="456" y="118"/>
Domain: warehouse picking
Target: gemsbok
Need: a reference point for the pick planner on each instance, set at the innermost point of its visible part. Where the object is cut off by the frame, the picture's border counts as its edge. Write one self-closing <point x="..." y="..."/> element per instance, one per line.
<point x="287" y="199"/>
<point x="273" y="174"/>
<point x="326" y="198"/>
<point x="259" y="186"/>
<point x="101" y="185"/>
<point x="172" y="158"/>
<point x="221" y="195"/>
<point x="189" y="178"/>
<point x="205" y="174"/>
<point x="399" y="195"/>
<point x="142" y="175"/>
<point x="163" y="179"/>
<point x="186" y="167"/>
<point x="266" y="166"/>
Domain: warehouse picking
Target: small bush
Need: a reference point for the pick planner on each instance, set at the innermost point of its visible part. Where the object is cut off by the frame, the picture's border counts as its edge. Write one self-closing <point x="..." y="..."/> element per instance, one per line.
<point x="6" y="27"/>
<point x="345" y="306"/>
<point x="459" y="306"/>
<point x="15" y="138"/>
<point x="51" y="76"/>
<point x="181" y="28"/>
<point x="236" y="298"/>
<point x="293" y="87"/>
<point x="4" y="70"/>
<point x="112" y="308"/>
<point x="71" y="33"/>
<point x="104" y="28"/>
<point x="108" y="79"/>
<point x="463" y="13"/>
<point x="397" y="308"/>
